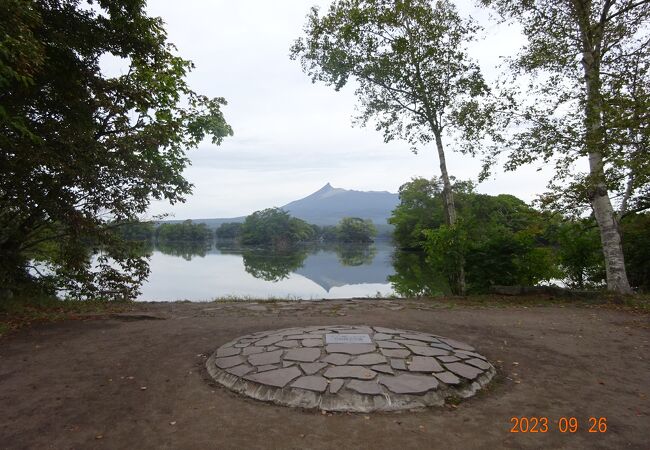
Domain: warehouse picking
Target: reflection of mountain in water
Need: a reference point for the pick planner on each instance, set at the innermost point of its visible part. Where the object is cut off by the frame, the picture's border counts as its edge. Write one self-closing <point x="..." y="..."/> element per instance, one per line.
<point x="326" y="265"/>
<point x="324" y="268"/>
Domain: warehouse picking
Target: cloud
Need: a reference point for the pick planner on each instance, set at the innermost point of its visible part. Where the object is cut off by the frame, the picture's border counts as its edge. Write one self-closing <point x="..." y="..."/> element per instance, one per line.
<point x="292" y="136"/>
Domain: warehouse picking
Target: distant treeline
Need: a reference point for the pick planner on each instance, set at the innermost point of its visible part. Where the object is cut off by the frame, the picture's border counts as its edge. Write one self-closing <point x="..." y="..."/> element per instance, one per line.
<point x="272" y="226"/>
<point x="185" y="231"/>
<point x="277" y="227"/>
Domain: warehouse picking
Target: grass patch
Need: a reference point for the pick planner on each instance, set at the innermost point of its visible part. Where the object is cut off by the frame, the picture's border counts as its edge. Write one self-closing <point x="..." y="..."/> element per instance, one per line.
<point x="453" y="400"/>
<point x="248" y="298"/>
<point x="19" y="312"/>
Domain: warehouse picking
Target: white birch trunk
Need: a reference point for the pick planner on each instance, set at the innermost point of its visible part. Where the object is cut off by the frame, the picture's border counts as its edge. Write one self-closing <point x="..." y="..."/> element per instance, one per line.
<point x="601" y="204"/>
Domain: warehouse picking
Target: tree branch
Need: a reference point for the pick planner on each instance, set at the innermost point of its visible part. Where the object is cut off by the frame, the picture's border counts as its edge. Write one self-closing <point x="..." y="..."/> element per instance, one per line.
<point x="626" y="9"/>
<point x="626" y="196"/>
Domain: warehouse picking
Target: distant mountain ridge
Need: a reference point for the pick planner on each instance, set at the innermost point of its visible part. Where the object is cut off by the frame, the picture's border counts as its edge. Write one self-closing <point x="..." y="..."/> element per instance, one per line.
<point x="328" y="205"/>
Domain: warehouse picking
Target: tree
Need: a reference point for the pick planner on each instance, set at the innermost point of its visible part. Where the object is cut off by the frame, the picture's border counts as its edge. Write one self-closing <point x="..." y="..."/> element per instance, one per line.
<point x="229" y="230"/>
<point x="80" y="150"/>
<point x="636" y="244"/>
<point x="136" y="231"/>
<point x="274" y="226"/>
<point x="579" y="253"/>
<point x="185" y="231"/>
<point x="326" y="233"/>
<point x="586" y="66"/>
<point x="354" y="229"/>
<point x="413" y="74"/>
<point x="420" y="208"/>
<point x="500" y="239"/>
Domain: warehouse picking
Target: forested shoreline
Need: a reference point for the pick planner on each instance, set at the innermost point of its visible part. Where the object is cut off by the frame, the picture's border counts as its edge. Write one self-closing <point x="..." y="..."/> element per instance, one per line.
<point x="272" y="227"/>
<point x="502" y="240"/>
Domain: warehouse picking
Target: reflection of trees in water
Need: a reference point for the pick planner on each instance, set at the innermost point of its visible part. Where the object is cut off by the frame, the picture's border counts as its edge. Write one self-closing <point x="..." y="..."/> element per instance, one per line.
<point x="267" y="263"/>
<point x="185" y="249"/>
<point x="141" y="248"/>
<point x="414" y="277"/>
<point x="356" y="254"/>
<point x="273" y="265"/>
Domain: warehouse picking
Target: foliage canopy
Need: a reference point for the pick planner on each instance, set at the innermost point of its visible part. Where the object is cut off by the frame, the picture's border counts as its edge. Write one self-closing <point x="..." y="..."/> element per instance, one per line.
<point x="354" y="229"/>
<point x="501" y="239"/>
<point x="579" y="90"/>
<point x="80" y="150"/>
<point x="274" y="226"/>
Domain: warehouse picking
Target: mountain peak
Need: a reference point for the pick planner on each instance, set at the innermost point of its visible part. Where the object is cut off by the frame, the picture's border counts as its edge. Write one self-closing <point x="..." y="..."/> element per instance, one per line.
<point x="328" y="205"/>
<point x="326" y="191"/>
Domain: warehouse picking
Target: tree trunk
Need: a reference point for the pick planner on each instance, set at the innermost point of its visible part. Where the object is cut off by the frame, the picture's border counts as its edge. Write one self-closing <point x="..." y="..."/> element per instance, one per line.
<point x="610" y="235"/>
<point x="447" y="193"/>
<point x="450" y="209"/>
<point x="601" y="204"/>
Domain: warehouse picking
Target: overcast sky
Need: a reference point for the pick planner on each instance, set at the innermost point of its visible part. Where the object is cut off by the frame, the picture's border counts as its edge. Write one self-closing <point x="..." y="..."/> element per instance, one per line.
<point x="292" y="136"/>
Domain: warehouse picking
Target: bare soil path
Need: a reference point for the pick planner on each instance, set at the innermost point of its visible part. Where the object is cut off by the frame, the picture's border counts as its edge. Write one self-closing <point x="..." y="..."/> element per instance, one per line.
<point x="131" y="381"/>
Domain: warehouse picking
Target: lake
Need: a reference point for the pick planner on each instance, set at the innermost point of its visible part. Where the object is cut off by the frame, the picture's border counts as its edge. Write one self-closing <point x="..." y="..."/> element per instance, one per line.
<point x="221" y="270"/>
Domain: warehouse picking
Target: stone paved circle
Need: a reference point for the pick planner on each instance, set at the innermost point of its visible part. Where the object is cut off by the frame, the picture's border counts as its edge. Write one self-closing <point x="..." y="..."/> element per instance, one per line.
<point x="334" y="368"/>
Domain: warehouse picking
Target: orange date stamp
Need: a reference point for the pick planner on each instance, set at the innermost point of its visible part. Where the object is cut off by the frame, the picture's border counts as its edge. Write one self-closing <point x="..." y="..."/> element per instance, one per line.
<point x="563" y="425"/>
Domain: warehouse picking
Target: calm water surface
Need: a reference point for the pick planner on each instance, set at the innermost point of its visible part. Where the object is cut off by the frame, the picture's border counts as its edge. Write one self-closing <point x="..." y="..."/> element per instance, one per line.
<point x="203" y="273"/>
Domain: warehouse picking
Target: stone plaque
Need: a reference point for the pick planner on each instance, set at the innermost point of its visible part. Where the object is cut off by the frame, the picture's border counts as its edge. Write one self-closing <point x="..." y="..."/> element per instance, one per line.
<point x="347" y="339"/>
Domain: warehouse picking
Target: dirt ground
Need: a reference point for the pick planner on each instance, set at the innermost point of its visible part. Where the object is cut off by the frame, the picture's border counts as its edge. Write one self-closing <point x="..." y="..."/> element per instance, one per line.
<point x="134" y="381"/>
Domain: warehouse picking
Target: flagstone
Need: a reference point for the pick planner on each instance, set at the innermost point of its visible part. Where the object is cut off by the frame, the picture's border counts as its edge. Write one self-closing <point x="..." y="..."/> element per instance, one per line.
<point x="311" y="383"/>
<point x="312" y="342"/>
<point x="302" y="354"/>
<point x="270" y="340"/>
<point x="277" y="378"/>
<point x="360" y="372"/>
<point x="261" y="359"/>
<point x="478" y="363"/>
<point x="427" y="351"/>
<point x="408" y="384"/>
<point x="312" y="368"/>
<point x="368" y="359"/>
<point x="365" y="387"/>
<point x="424" y="364"/>
<point x="338" y="359"/>
<point x="230" y="351"/>
<point x="383" y="368"/>
<point x="396" y="353"/>
<point x="335" y="385"/>
<point x="230" y="361"/>
<point x="447" y="377"/>
<point x="464" y="370"/>
<point x="352" y="349"/>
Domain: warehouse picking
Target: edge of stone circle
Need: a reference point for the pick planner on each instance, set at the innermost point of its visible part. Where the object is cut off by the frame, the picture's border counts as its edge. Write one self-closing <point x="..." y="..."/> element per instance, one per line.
<point x="350" y="402"/>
